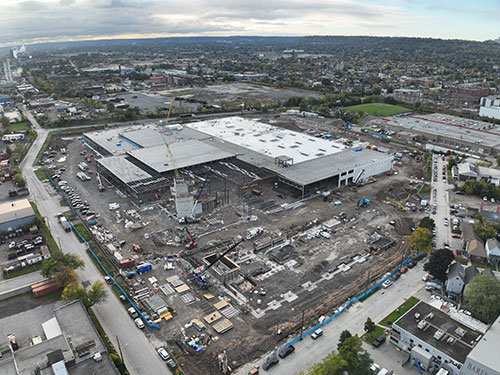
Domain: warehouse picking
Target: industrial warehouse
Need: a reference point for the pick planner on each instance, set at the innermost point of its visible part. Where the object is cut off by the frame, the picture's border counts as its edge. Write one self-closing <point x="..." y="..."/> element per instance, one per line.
<point x="143" y="161"/>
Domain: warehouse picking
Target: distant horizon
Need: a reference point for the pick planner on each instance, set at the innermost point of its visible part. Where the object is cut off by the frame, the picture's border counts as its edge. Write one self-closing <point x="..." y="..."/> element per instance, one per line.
<point x="150" y="37"/>
<point x="38" y="21"/>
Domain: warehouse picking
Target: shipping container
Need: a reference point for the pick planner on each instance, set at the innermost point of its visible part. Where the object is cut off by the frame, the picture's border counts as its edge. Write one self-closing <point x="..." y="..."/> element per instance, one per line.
<point x="256" y="192"/>
<point x="127" y="263"/>
<point x="142" y="268"/>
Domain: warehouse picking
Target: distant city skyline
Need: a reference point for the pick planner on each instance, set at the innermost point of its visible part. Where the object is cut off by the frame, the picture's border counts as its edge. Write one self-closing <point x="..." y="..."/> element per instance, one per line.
<point x="33" y="21"/>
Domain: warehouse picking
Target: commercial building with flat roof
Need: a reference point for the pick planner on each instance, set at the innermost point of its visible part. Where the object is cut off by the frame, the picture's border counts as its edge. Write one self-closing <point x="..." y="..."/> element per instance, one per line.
<point x="51" y="338"/>
<point x="490" y="107"/>
<point x="137" y="160"/>
<point x="16" y="214"/>
<point x="455" y="132"/>
<point x="483" y="359"/>
<point x="434" y="338"/>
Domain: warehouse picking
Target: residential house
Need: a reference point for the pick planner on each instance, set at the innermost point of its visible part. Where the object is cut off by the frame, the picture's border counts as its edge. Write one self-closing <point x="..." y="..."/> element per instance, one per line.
<point x="459" y="277"/>
<point x="475" y="251"/>
<point x="468" y="234"/>
<point x="456" y="278"/>
<point x="493" y="251"/>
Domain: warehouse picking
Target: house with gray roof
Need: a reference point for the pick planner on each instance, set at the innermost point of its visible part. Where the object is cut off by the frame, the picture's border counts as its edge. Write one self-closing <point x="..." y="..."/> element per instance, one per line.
<point x="492" y="251"/>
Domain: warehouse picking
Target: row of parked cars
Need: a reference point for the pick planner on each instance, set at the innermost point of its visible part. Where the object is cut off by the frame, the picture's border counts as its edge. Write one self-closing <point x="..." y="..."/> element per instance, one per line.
<point x="24" y="247"/>
<point x="76" y="201"/>
<point x="284" y="352"/>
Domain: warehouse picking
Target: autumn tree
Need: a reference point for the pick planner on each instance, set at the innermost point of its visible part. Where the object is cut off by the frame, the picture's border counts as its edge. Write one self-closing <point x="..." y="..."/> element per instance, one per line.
<point x="94" y="295"/>
<point x="420" y="240"/>
<point x="62" y="268"/>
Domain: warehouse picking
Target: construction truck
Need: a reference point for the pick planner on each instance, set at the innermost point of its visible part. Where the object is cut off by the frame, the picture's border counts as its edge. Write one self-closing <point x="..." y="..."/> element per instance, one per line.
<point x="64" y="222"/>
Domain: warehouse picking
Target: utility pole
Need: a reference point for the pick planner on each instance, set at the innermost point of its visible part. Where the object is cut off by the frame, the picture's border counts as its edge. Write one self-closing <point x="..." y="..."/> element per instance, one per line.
<point x="302" y="325"/>
<point x="119" y="348"/>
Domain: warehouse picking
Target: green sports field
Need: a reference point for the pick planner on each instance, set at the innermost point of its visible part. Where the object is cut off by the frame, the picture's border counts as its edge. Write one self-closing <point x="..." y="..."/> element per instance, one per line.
<point x="378" y="109"/>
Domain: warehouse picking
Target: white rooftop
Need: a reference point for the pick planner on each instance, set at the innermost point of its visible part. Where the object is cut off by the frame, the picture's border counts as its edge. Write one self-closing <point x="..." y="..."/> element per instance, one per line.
<point x="267" y="139"/>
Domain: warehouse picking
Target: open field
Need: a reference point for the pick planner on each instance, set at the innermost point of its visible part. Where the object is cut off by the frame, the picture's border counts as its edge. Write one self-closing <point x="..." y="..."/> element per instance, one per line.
<point x="17" y="127"/>
<point x="378" y="109"/>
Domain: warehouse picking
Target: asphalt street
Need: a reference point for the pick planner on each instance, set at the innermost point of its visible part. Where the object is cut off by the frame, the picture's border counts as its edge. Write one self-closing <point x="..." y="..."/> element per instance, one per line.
<point x="384" y="301"/>
<point x="443" y="204"/>
<point x="139" y="355"/>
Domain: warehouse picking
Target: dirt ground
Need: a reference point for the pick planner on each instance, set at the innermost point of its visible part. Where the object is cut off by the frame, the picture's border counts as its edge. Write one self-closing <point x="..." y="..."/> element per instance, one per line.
<point x="311" y="260"/>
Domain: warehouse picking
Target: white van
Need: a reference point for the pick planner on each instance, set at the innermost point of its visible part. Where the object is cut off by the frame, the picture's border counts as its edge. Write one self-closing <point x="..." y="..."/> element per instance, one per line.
<point x="114" y="206"/>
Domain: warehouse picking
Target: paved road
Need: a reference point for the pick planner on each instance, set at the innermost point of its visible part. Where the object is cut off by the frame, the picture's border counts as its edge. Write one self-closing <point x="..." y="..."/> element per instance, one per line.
<point x="139" y="355"/>
<point x="376" y="307"/>
<point x="443" y="203"/>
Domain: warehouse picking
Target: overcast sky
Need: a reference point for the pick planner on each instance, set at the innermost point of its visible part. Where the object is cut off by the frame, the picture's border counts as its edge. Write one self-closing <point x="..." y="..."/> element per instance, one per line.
<point x="26" y="21"/>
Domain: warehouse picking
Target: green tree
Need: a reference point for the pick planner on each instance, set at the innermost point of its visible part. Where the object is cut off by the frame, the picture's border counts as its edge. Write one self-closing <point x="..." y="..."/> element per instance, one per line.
<point x="483" y="296"/>
<point x="344" y="335"/>
<point x="358" y="360"/>
<point x="369" y="325"/>
<point x="62" y="267"/>
<point x="438" y="263"/>
<point x="5" y="122"/>
<point x="94" y="295"/>
<point x="421" y="240"/>
<point x="485" y="230"/>
<point x="333" y="364"/>
<point x="498" y="160"/>
<point x="428" y="223"/>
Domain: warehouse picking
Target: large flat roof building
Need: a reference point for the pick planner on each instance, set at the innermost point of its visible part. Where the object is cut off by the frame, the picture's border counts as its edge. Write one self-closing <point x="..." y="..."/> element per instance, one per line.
<point x="483" y="359"/>
<point x="136" y="158"/>
<point x="53" y="337"/>
<point x="437" y="337"/>
<point x="15" y="214"/>
<point x="455" y="132"/>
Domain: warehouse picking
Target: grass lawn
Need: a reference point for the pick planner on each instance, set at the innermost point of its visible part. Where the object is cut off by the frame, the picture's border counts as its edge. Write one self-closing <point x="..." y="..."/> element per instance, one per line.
<point x="23" y="270"/>
<point x="62" y="202"/>
<point x="18" y="127"/>
<point x="426" y="191"/>
<point x="402" y="309"/>
<point x="41" y="174"/>
<point x="370" y="337"/>
<point x="378" y="109"/>
<point x="83" y="231"/>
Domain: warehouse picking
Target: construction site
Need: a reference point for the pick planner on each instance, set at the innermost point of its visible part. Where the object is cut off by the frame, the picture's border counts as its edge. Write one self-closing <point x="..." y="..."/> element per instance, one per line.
<point x="226" y="232"/>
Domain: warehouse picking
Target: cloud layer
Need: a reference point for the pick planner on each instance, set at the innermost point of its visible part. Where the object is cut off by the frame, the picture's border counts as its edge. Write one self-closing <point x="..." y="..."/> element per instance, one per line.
<point x="40" y="20"/>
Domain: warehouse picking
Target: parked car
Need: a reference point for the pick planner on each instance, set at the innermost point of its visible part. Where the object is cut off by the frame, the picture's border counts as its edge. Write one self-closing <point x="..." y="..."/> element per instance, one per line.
<point x="162" y="352"/>
<point x="403" y="269"/>
<point x="412" y="264"/>
<point x="270" y="362"/>
<point x="133" y="313"/>
<point x="139" y="323"/>
<point x="286" y="351"/>
<point x="317" y="333"/>
<point x="386" y="284"/>
<point x="171" y="365"/>
<point x="378" y="341"/>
